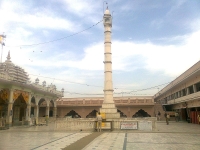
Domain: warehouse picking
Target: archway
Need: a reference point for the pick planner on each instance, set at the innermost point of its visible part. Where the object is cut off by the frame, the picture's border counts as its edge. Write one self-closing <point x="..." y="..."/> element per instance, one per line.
<point x="122" y="115"/>
<point x="19" y="110"/>
<point x="3" y="103"/>
<point x="92" y="114"/>
<point x="73" y="114"/>
<point x="141" y="113"/>
<point x="50" y="113"/>
<point x="3" y="108"/>
<point x="33" y="104"/>
<point x="42" y="104"/>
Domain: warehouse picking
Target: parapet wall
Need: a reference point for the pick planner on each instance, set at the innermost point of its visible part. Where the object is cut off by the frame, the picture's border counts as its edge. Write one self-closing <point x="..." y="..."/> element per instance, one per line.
<point x="78" y="124"/>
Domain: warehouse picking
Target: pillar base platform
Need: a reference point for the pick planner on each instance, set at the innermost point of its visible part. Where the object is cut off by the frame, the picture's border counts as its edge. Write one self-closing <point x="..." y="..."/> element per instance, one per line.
<point x="110" y="111"/>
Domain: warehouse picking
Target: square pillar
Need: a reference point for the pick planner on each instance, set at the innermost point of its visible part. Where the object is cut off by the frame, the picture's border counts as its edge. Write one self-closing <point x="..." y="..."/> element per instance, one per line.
<point x="10" y="109"/>
<point x="36" y="112"/>
<point x="54" y="112"/>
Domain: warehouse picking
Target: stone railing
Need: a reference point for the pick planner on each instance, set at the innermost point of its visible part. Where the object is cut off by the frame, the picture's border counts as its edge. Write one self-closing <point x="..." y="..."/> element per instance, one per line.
<point x="70" y="124"/>
<point x="79" y="124"/>
<point x="99" y="102"/>
<point x="41" y="120"/>
<point x="135" y="101"/>
<point x="48" y="89"/>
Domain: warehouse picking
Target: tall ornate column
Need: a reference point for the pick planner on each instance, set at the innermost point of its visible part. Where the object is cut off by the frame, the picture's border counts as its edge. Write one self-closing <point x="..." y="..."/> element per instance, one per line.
<point x="108" y="106"/>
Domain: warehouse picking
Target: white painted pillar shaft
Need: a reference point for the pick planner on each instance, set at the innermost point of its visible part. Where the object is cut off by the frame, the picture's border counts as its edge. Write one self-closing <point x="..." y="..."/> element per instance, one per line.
<point x="108" y="83"/>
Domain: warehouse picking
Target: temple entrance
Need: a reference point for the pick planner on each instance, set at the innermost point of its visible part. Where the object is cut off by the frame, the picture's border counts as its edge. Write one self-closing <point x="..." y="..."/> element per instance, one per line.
<point x="19" y="110"/>
<point x="141" y="113"/>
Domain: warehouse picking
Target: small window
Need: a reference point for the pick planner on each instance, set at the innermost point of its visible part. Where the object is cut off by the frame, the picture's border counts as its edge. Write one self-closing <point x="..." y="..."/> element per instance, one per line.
<point x="198" y="86"/>
<point x="184" y="92"/>
<point x="191" y="90"/>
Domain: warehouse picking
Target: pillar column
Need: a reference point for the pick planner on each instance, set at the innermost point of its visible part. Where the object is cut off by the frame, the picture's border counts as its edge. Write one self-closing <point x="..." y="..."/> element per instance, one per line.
<point x="9" y="114"/>
<point x="10" y="109"/>
<point x="187" y="91"/>
<point x="36" y="112"/>
<point x="194" y="88"/>
<point x="27" y="116"/>
<point x="108" y="106"/>
<point x="54" y="112"/>
<point x="47" y="111"/>
<point x="28" y="111"/>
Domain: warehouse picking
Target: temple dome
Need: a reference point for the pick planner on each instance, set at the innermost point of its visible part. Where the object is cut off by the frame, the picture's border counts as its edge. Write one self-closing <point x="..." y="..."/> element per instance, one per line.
<point x="13" y="72"/>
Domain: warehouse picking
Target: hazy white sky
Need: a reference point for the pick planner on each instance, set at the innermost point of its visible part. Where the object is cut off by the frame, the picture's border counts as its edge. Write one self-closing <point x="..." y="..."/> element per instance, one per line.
<point x="153" y="42"/>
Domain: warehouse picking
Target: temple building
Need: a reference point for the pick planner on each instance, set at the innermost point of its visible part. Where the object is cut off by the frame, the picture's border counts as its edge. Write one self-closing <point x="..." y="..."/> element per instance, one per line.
<point x="20" y="100"/>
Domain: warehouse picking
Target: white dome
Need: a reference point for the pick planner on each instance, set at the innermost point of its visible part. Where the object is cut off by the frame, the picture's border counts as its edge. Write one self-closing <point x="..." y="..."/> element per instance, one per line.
<point x="15" y="72"/>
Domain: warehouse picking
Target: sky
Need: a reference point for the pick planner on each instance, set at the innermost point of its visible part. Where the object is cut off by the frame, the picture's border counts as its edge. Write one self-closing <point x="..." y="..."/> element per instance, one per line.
<point x="62" y="42"/>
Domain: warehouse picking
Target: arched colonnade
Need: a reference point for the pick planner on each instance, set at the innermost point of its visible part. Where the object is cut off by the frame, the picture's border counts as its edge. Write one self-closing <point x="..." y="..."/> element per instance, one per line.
<point x="19" y="105"/>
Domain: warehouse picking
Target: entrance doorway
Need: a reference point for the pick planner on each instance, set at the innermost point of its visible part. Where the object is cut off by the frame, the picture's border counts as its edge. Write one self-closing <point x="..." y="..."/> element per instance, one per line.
<point x="19" y="110"/>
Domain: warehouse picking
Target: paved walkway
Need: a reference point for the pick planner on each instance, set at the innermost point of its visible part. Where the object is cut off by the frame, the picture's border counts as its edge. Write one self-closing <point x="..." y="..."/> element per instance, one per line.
<point x="174" y="136"/>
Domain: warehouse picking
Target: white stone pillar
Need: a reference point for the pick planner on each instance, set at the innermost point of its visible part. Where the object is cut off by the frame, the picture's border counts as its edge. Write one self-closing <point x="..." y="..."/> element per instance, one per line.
<point x="108" y="106"/>
<point x="108" y="84"/>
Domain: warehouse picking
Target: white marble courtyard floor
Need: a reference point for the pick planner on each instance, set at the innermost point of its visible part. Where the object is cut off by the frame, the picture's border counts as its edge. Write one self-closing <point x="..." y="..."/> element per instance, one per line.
<point x="175" y="136"/>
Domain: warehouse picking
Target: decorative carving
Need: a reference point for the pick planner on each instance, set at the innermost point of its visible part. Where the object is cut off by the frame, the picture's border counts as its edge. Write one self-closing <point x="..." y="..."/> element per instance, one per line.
<point x="17" y="93"/>
<point x="4" y="94"/>
<point x="52" y="87"/>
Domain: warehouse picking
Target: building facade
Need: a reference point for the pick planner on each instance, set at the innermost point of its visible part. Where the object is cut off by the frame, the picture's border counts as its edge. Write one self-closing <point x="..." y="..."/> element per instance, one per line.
<point x="20" y="99"/>
<point x="183" y="94"/>
<point x="137" y="106"/>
